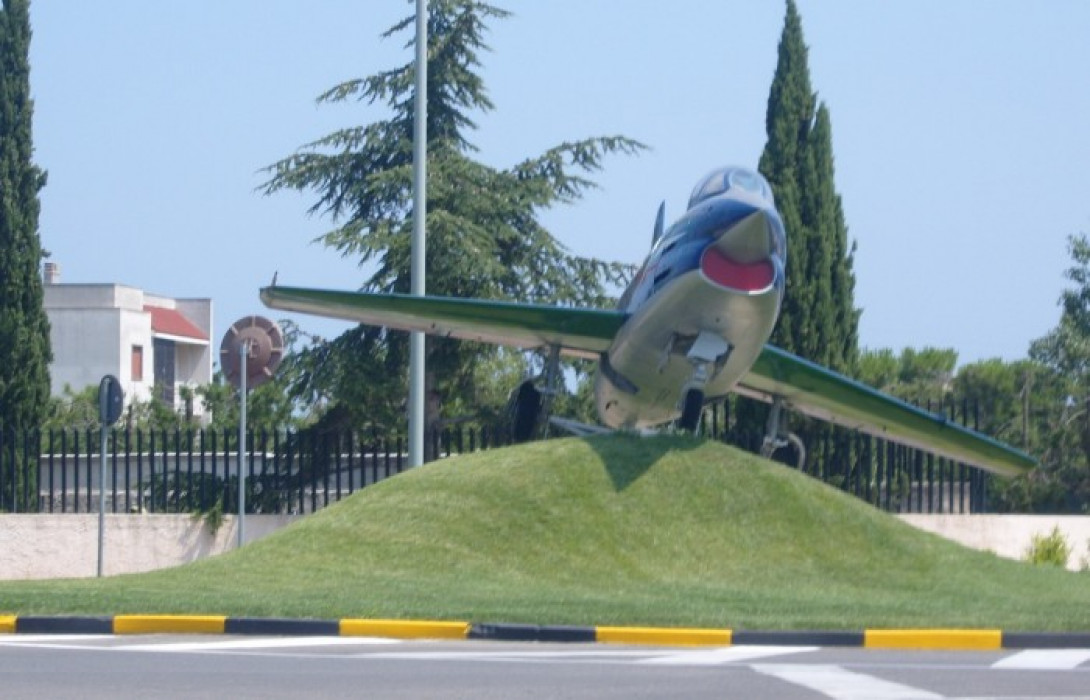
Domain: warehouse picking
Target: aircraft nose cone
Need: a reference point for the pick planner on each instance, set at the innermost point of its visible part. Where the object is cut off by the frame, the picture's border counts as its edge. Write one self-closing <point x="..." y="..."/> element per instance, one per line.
<point x="749" y="240"/>
<point x="741" y="258"/>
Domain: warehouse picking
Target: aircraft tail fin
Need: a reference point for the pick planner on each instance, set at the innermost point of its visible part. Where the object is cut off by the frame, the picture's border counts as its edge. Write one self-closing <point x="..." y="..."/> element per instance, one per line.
<point x="660" y="220"/>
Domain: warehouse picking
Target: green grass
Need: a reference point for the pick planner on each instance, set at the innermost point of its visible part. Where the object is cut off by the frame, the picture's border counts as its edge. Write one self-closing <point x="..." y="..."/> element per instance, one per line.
<point x="609" y="530"/>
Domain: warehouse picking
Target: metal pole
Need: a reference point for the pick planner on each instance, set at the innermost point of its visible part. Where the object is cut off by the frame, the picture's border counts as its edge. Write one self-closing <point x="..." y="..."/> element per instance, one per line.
<point x="101" y="478"/>
<point x="243" y="351"/>
<point x="420" y="137"/>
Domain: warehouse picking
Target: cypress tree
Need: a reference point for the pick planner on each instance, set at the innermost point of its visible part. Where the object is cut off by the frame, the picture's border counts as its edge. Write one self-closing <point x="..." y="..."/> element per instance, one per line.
<point x="818" y="319"/>
<point x="24" y="329"/>
<point x="787" y="123"/>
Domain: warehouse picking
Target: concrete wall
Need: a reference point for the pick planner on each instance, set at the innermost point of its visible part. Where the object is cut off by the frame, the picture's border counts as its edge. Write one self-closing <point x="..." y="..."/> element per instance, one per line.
<point x="66" y="546"/>
<point x="1009" y="535"/>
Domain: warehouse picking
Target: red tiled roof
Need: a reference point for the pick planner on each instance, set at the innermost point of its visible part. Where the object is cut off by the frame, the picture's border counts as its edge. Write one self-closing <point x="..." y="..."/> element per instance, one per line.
<point x="172" y="322"/>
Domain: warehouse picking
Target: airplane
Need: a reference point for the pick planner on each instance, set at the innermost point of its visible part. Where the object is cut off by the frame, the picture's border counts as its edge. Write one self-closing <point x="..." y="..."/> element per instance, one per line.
<point x="691" y="327"/>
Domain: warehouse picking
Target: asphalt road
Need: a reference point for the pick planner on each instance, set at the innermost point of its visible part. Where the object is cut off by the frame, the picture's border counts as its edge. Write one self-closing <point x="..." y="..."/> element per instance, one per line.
<point x="170" y="666"/>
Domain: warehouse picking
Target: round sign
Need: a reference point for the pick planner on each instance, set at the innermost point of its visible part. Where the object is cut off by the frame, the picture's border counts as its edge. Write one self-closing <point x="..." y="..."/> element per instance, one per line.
<point x="264" y="345"/>
<point x="111" y="400"/>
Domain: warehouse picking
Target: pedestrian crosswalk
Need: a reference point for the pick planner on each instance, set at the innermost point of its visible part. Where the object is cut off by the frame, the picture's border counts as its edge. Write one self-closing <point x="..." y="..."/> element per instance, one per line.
<point x="844" y="684"/>
<point x="1045" y="659"/>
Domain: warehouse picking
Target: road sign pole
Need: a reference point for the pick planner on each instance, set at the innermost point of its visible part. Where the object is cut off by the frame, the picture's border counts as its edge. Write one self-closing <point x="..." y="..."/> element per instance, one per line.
<point x="243" y="350"/>
<point x="416" y="281"/>
<point x="110" y="402"/>
<point x="101" y="481"/>
<point x="251" y="345"/>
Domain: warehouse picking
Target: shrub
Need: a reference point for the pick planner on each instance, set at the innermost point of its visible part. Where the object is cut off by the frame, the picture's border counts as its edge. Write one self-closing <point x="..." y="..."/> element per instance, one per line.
<point x="1049" y="549"/>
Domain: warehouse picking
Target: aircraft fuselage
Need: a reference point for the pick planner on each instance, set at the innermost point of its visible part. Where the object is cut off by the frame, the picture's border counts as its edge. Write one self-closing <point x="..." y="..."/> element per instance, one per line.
<point x="701" y="307"/>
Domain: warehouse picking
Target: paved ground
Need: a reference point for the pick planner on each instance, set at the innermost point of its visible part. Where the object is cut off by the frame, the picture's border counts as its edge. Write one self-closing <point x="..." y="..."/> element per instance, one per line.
<point x="171" y="666"/>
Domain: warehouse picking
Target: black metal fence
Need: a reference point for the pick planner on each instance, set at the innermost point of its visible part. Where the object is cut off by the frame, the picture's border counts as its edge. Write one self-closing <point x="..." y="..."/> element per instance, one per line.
<point x="185" y="471"/>
<point x="889" y="476"/>
<point x="197" y="470"/>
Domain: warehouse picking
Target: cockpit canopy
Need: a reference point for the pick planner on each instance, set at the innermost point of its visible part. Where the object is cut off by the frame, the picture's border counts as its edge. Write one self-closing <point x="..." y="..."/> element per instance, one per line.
<point x="719" y="181"/>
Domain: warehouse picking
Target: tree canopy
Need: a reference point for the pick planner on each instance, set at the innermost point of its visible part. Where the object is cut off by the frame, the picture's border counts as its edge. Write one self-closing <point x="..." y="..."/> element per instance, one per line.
<point x="484" y="238"/>
<point x="818" y="319"/>
<point x="25" y="352"/>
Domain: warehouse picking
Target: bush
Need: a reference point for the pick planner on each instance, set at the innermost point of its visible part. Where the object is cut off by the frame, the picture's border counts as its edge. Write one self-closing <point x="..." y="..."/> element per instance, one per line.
<point x="1050" y="549"/>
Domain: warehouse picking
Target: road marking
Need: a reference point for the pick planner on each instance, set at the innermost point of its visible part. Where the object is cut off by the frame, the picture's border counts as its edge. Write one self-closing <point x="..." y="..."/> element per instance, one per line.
<point x="257" y="644"/>
<point x="1045" y="659"/>
<point x="726" y="655"/>
<point x="841" y="684"/>
<point x="18" y="639"/>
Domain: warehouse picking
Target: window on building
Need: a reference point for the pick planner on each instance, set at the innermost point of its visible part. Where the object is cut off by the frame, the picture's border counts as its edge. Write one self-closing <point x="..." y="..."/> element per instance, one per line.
<point x="138" y="363"/>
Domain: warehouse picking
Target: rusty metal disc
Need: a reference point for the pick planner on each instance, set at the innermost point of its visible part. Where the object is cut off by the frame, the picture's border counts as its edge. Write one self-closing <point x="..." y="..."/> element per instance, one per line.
<point x="265" y="350"/>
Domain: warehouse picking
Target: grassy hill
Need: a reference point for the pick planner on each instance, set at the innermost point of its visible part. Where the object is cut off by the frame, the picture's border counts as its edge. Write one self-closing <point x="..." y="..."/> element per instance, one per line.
<point x="606" y="530"/>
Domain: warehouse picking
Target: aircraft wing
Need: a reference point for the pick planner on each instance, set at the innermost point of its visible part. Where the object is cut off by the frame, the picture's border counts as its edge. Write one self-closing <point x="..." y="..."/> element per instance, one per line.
<point x="583" y="333"/>
<point x="821" y="393"/>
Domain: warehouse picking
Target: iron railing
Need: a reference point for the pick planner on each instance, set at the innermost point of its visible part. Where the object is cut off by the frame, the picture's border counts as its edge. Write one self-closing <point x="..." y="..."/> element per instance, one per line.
<point x="175" y="471"/>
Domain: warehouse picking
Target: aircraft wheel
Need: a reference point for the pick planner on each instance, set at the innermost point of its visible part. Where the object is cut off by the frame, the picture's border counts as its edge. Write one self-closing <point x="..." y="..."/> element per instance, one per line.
<point x="525" y="410"/>
<point x="691" y="410"/>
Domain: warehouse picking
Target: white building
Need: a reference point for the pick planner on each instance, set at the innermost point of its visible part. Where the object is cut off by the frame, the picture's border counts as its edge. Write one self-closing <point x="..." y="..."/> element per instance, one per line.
<point x="143" y="339"/>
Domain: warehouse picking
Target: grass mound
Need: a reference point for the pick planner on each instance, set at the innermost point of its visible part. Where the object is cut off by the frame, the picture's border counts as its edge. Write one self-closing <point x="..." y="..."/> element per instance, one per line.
<point x="605" y="530"/>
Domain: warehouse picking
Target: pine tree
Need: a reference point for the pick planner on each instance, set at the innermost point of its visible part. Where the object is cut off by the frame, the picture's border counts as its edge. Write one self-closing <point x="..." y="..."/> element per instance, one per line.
<point x="484" y="239"/>
<point x="818" y="319"/>
<point x="24" y="329"/>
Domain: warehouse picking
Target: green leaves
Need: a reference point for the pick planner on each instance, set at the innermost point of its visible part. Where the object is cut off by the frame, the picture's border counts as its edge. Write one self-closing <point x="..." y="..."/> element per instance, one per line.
<point x="484" y="238"/>
<point x="25" y="352"/>
<point x="818" y="319"/>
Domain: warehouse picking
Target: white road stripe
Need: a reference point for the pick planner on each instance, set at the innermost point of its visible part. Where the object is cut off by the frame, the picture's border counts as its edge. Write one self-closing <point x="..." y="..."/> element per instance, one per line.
<point x="270" y="643"/>
<point x="543" y="656"/>
<point x="726" y="655"/>
<point x="1045" y="659"/>
<point x="841" y="684"/>
<point x="17" y="639"/>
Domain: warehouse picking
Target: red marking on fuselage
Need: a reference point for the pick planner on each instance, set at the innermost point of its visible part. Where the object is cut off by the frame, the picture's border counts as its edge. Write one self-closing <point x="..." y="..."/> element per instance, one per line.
<point x="745" y="277"/>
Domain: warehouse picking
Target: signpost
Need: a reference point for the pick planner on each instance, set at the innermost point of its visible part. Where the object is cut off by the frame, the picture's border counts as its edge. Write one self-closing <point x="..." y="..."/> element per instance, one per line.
<point x="249" y="354"/>
<point x="111" y="400"/>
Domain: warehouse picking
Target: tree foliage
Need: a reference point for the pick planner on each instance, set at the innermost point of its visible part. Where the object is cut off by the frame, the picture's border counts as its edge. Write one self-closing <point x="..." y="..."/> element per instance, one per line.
<point x="818" y="319"/>
<point x="917" y="376"/>
<point x="484" y="239"/>
<point x="25" y="352"/>
<point x="1063" y="480"/>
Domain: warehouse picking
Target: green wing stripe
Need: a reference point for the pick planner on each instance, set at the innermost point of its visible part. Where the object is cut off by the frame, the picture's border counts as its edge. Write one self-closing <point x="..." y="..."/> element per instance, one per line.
<point x="580" y="332"/>
<point x="822" y="393"/>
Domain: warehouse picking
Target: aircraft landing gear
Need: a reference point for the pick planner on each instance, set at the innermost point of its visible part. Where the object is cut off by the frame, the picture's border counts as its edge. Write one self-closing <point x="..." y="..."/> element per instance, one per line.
<point x="777" y="437"/>
<point x="524" y="408"/>
<point x="528" y="407"/>
<point x="692" y="406"/>
<point x="706" y="355"/>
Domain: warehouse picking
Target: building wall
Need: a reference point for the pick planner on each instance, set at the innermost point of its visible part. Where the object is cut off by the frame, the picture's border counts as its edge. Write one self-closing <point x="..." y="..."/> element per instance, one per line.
<point x="135" y="330"/>
<point x="94" y="328"/>
<point x="198" y="360"/>
<point x="79" y="361"/>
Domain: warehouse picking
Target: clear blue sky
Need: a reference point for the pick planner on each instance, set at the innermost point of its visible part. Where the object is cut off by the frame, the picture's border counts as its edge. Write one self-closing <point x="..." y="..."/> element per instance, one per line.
<point x="960" y="132"/>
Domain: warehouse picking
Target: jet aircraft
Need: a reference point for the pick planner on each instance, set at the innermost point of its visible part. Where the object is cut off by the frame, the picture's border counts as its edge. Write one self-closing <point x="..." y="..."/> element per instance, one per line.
<point x="692" y="326"/>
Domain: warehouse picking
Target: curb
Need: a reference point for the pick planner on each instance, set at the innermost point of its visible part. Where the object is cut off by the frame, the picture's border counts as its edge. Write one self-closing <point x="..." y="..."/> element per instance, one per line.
<point x="933" y="639"/>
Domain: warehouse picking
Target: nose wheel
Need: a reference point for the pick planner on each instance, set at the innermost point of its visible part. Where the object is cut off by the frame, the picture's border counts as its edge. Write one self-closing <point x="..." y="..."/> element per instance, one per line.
<point x="706" y="355"/>
<point x="692" y="405"/>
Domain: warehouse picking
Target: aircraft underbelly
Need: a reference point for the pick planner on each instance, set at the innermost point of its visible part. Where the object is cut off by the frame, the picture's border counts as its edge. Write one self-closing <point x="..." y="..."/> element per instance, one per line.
<point x="646" y="367"/>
